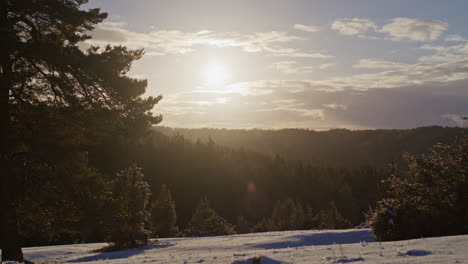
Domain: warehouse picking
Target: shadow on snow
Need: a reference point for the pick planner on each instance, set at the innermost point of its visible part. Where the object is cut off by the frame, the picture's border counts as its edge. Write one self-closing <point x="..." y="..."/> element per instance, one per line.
<point x="320" y="239"/>
<point x="263" y="260"/>
<point x="120" y="254"/>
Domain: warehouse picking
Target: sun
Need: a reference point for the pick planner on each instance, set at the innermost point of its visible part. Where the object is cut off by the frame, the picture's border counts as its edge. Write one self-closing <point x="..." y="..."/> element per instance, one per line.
<point x="215" y="75"/>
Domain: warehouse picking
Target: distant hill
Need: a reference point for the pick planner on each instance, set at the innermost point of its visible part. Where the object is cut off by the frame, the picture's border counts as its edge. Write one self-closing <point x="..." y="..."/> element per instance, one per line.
<point x="336" y="148"/>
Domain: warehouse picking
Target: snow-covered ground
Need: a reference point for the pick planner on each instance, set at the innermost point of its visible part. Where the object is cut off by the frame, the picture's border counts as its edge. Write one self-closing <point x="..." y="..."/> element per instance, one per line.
<point x="326" y="246"/>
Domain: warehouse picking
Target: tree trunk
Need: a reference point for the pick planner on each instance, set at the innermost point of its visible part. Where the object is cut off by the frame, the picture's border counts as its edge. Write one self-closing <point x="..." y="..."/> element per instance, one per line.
<point x="9" y="239"/>
<point x="9" y="242"/>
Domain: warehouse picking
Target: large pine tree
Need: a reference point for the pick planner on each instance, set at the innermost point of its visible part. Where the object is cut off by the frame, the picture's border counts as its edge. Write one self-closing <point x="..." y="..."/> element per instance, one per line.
<point x="41" y="65"/>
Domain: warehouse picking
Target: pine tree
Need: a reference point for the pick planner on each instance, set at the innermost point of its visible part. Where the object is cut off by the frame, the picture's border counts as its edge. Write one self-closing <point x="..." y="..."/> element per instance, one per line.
<point x="331" y="218"/>
<point x="163" y="214"/>
<point x="264" y="225"/>
<point x="309" y="221"/>
<point x="242" y="225"/>
<point x="288" y="215"/>
<point x="41" y="64"/>
<point x="206" y="222"/>
<point x="127" y="211"/>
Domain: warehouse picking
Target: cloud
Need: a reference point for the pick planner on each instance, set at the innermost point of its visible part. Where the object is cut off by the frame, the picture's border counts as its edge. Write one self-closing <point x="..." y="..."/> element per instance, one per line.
<point x="455" y="38"/>
<point x="304" y="104"/>
<point x="417" y="95"/>
<point x="292" y="67"/>
<point x="286" y="67"/>
<point x="445" y="53"/>
<point x="324" y="66"/>
<point x="336" y="106"/>
<point x="441" y="57"/>
<point x="462" y="48"/>
<point x="378" y="64"/>
<point x="278" y="51"/>
<point x="352" y="26"/>
<point x="162" y="42"/>
<point x="415" y="74"/>
<point x="439" y="48"/>
<point x="414" y="29"/>
<point x="307" y="28"/>
<point x="400" y="76"/>
<point x="457" y="118"/>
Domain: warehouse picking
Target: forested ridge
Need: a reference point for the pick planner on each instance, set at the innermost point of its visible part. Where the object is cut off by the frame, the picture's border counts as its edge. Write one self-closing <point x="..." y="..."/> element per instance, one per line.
<point x="336" y="147"/>
<point x="252" y="191"/>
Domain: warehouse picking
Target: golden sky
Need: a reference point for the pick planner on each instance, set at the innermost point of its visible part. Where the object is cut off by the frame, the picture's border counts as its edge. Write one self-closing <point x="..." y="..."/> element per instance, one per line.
<point x="308" y="64"/>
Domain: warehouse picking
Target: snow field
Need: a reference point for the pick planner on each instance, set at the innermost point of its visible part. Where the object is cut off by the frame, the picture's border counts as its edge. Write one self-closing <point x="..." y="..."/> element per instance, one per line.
<point x="325" y="246"/>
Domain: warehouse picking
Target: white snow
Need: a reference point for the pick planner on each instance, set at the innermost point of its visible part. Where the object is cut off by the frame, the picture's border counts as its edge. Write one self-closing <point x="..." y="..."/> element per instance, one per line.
<point x="326" y="246"/>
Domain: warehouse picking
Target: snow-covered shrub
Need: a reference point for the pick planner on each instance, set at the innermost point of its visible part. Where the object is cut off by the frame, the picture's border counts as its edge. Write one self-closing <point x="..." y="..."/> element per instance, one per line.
<point x="429" y="200"/>
<point x="393" y="220"/>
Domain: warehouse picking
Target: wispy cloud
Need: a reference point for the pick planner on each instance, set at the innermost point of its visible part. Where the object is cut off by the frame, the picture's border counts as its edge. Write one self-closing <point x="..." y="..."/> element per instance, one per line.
<point x="352" y="26"/>
<point x="162" y="42"/>
<point x="415" y="74"/>
<point x="457" y="118"/>
<point x="286" y="67"/>
<point x="399" y="76"/>
<point x="305" y="104"/>
<point x="445" y="53"/>
<point x="402" y="28"/>
<point x="324" y="66"/>
<point x="378" y="64"/>
<point x="336" y="106"/>
<point x="455" y="38"/>
<point x="292" y="67"/>
<point x="307" y="28"/>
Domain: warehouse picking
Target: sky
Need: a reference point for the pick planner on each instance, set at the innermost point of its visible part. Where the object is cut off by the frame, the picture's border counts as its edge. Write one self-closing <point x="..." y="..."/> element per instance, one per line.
<point x="271" y="64"/>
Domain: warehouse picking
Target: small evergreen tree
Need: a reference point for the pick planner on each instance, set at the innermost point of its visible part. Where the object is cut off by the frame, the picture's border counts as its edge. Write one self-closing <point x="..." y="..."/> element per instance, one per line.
<point x="163" y="214"/>
<point x="242" y="225"/>
<point x="331" y="218"/>
<point x="288" y="215"/>
<point x="129" y="198"/>
<point x="206" y="222"/>
<point x="265" y="225"/>
<point x="309" y="220"/>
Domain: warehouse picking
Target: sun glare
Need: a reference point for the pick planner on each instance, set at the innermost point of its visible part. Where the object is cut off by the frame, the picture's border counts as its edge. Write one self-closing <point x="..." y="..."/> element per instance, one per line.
<point x="215" y="74"/>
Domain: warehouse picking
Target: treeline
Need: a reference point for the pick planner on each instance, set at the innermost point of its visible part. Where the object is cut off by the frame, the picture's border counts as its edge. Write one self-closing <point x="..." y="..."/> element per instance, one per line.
<point x="333" y="148"/>
<point x="250" y="192"/>
<point x="193" y="189"/>
<point x="248" y="184"/>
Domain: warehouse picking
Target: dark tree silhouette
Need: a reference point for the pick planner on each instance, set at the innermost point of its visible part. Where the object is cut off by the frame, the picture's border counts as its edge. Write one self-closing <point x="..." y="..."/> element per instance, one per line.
<point x="429" y="200"/>
<point x="207" y="222"/>
<point x="41" y="64"/>
<point x="163" y="214"/>
<point x="128" y="214"/>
